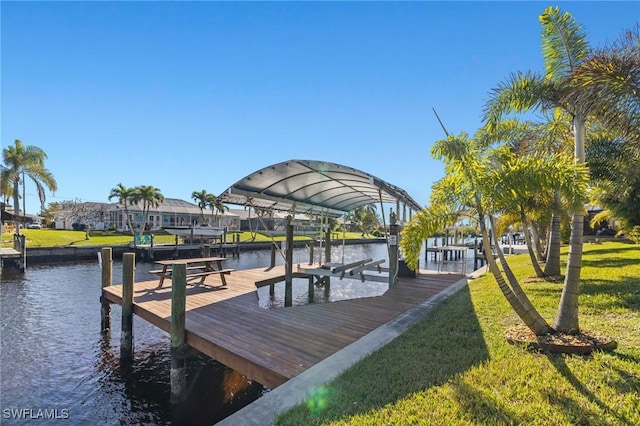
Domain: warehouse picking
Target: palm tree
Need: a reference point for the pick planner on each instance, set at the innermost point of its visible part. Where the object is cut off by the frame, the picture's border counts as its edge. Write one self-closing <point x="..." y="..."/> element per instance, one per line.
<point x="150" y="197"/>
<point x="463" y="186"/>
<point x="522" y="138"/>
<point x="365" y="217"/>
<point x="564" y="49"/>
<point x="201" y="197"/>
<point x="477" y="179"/>
<point x="125" y="197"/>
<point x="217" y="207"/>
<point x="6" y="189"/>
<point x="555" y="137"/>
<point x="610" y="80"/>
<point x="22" y="161"/>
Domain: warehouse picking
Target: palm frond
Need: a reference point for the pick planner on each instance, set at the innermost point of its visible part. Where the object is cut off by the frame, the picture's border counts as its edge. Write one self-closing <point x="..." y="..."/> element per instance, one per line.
<point x="609" y="81"/>
<point x="520" y="92"/>
<point x="423" y="224"/>
<point x="564" y="44"/>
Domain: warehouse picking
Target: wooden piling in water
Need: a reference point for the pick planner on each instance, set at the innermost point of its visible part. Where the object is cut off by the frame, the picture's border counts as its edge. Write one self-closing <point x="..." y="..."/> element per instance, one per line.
<point x="327" y="245"/>
<point x="272" y="287"/>
<point x="393" y="250"/>
<point x="126" y="336"/>
<point x="20" y="244"/>
<point x="178" y="306"/>
<point x="288" y="267"/>
<point x="311" y="289"/>
<point x="327" y="256"/>
<point x="107" y="273"/>
<point x="273" y="255"/>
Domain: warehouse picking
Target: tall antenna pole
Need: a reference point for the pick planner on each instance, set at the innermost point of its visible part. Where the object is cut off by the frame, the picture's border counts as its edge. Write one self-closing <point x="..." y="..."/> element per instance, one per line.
<point x="440" y="121"/>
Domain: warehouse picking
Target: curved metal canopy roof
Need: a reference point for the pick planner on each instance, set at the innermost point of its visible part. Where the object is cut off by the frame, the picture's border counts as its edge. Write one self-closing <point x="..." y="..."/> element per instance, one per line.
<point x="313" y="187"/>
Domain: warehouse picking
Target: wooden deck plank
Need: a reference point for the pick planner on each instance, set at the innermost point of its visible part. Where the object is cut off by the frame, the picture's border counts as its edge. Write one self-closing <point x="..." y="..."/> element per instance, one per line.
<point x="273" y="345"/>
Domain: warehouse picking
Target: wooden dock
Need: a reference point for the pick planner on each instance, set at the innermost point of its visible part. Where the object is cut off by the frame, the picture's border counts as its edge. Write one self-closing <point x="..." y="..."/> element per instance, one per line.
<point x="272" y="346"/>
<point x="11" y="257"/>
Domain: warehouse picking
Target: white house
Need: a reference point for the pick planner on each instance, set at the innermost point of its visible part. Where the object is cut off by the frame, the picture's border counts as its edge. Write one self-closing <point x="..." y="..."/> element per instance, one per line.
<point x="171" y="212"/>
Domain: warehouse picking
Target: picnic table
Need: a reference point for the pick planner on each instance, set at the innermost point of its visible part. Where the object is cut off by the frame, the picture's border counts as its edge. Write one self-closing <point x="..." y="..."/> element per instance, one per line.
<point x="198" y="267"/>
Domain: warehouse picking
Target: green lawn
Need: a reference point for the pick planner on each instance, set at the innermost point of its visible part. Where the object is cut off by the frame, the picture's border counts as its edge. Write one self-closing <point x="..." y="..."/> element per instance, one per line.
<point x="60" y="238"/>
<point x="455" y="367"/>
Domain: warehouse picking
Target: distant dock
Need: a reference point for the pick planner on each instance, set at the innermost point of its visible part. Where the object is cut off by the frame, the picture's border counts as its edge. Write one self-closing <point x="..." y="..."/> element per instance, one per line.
<point x="14" y="258"/>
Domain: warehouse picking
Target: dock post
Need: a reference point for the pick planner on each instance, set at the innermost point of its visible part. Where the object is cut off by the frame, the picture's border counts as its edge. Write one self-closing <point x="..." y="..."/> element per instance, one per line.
<point x="273" y="254"/>
<point x="311" y="289"/>
<point x="327" y="258"/>
<point x="178" y="307"/>
<point x="475" y="254"/>
<point x="327" y="245"/>
<point x="311" y="255"/>
<point x="326" y="282"/>
<point x="126" y="336"/>
<point x="288" y="267"/>
<point x="107" y="271"/>
<point x="23" y="252"/>
<point x="393" y="249"/>
<point x="20" y="244"/>
<point x="151" y="254"/>
<point x="207" y="250"/>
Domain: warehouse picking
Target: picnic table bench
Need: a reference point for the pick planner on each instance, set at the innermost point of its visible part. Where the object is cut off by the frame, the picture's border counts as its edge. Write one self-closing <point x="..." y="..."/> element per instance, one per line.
<point x="202" y="267"/>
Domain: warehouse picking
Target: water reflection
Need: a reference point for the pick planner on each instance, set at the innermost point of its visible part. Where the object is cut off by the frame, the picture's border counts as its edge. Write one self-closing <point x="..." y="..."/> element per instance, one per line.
<point x="338" y="290"/>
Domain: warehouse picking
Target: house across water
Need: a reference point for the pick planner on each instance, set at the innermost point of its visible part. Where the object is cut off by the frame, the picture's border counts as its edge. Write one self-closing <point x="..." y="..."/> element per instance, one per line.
<point x="171" y="212"/>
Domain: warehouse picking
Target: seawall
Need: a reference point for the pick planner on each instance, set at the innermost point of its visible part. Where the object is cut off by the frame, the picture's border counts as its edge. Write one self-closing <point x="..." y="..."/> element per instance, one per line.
<point x="44" y="255"/>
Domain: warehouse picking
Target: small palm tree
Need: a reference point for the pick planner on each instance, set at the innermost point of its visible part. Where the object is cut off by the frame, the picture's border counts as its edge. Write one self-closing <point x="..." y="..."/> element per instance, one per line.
<point x="126" y="198"/>
<point x="150" y="197"/>
<point x="22" y="161"/>
<point x="217" y="207"/>
<point x="201" y="197"/>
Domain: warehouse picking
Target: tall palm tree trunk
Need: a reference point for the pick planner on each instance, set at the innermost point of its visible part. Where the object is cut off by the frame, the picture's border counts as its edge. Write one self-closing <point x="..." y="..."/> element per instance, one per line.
<point x="552" y="266"/>
<point x="517" y="289"/>
<point x="526" y="312"/>
<point x="535" y="239"/>
<point x="128" y="220"/>
<point x="566" y="320"/>
<point x="527" y="240"/>
<point x="16" y="204"/>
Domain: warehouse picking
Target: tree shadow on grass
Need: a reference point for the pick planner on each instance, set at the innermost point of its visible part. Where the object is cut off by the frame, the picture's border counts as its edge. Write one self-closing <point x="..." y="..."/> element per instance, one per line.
<point x="570" y="406"/>
<point x="608" y="250"/>
<point x="447" y="342"/>
<point x="623" y="292"/>
<point x="610" y="263"/>
<point x="481" y="409"/>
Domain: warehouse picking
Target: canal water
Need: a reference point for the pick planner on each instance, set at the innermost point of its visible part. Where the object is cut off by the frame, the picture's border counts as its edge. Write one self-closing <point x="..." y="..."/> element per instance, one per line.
<point x="57" y="367"/>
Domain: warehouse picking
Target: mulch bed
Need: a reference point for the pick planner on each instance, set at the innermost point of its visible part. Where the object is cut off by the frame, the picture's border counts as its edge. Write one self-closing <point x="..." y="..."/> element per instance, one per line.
<point x="581" y="343"/>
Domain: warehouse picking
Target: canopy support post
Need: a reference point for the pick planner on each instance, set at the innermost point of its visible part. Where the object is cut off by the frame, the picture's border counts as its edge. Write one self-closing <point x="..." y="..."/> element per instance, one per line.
<point x="288" y="265"/>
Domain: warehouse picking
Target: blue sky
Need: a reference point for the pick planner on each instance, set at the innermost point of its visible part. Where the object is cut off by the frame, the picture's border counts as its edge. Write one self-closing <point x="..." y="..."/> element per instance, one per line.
<point x="187" y="96"/>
